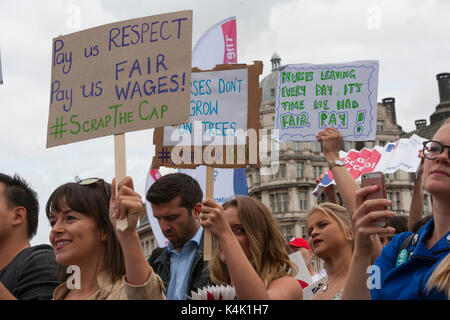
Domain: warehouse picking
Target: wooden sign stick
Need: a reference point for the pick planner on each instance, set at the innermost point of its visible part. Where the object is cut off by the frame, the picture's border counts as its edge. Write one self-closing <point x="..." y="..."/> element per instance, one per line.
<point x="121" y="169"/>
<point x="207" y="239"/>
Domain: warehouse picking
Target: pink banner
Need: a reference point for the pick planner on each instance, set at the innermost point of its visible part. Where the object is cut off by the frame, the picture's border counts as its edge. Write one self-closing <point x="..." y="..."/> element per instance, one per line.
<point x="229" y="37"/>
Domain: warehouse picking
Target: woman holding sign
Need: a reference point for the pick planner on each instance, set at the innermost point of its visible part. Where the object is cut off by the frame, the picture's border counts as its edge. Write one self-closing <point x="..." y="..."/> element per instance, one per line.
<point x="251" y="254"/>
<point x="106" y="264"/>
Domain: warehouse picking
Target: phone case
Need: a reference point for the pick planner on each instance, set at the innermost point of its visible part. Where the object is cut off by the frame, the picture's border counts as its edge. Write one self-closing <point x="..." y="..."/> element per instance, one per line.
<point x="375" y="178"/>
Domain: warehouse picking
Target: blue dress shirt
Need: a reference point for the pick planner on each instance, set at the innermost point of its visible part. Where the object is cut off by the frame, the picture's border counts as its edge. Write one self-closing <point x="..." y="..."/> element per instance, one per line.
<point x="180" y="267"/>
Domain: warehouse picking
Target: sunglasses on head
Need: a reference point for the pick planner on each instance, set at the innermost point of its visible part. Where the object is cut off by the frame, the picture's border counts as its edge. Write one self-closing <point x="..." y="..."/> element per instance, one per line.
<point x="90" y="181"/>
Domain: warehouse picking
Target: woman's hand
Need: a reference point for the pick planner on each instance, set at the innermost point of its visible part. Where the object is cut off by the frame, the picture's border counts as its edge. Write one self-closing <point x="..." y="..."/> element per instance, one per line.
<point x="126" y="205"/>
<point x="366" y="214"/>
<point x="213" y="218"/>
<point x="331" y="140"/>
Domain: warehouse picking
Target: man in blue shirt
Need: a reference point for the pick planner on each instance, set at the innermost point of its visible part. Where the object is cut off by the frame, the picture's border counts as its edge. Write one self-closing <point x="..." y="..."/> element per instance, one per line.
<point x="176" y="201"/>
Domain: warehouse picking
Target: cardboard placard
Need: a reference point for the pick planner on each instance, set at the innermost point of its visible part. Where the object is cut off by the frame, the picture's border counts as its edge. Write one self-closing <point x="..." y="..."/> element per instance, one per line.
<point x="223" y="131"/>
<point x="312" y="97"/>
<point x="120" y="77"/>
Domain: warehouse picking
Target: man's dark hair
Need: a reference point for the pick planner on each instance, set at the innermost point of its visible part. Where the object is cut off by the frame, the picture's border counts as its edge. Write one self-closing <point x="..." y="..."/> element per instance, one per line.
<point x="18" y="193"/>
<point x="399" y="223"/>
<point x="172" y="185"/>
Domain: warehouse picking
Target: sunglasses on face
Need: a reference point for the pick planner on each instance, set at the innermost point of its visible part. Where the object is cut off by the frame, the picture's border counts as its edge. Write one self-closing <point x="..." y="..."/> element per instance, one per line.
<point x="90" y="181"/>
<point x="432" y="149"/>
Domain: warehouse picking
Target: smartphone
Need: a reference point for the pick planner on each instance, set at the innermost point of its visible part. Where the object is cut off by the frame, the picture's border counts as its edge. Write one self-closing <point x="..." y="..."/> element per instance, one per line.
<point x="371" y="179"/>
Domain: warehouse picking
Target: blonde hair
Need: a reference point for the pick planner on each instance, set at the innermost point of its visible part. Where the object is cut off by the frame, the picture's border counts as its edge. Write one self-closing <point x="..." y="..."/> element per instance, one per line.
<point x="440" y="278"/>
<point x="341" y="216"/>
<point x="267" y="246"/>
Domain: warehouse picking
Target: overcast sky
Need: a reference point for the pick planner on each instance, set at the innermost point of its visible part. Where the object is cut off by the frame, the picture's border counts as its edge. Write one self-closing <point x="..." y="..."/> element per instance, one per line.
<point x="408" y="37"/>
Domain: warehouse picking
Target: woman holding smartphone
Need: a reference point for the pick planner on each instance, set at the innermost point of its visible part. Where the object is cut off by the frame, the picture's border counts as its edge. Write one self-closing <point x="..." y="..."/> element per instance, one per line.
<point x="411" y="266"/>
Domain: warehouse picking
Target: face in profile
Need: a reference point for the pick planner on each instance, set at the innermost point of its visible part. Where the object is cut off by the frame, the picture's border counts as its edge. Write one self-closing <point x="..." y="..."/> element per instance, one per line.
<point x="75" y="237"/>
<point x="177" y="223"/>
<point x="325" y="234"/>
<point x="235" y="223"/>
<point x="436" y="173"/>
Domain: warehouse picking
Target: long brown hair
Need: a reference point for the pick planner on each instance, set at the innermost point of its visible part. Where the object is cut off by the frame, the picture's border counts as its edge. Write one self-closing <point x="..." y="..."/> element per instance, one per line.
<point x="268" y="254"/>
<point x="91" y="200"/>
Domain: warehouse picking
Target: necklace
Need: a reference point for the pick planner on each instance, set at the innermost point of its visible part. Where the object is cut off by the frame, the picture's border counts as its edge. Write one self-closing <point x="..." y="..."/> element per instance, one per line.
<point x="325" y="286"/>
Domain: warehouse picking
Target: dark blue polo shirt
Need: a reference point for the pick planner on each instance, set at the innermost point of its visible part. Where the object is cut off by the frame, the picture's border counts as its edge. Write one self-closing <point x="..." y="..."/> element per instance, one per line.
<point x="407" y="281"/>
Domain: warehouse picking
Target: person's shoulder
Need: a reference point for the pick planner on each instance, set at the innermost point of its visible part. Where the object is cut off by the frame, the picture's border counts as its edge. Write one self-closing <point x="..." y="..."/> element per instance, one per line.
<point x="289" y="287"/>
<point x="38" y="256"/>
<point x="156" y="253"/>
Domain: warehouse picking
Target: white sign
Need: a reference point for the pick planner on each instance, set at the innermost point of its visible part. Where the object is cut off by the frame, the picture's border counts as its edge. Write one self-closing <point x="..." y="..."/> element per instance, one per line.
<point x="312" y="97"/>
<point x="218" y="108"/>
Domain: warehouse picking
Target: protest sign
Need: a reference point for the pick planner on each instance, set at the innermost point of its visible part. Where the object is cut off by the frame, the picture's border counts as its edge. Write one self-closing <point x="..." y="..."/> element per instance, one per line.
<point x="224" y="124"/>
<point x="402" y="154"/>
<point x="302" y="270"/>
<point x="312" y="97"/>
<point x="120" y="77"/>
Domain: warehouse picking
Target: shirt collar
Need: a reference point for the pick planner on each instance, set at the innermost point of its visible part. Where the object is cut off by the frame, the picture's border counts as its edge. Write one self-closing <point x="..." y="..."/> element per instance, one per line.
<point x="196" y="239"/>
<point x="423" y="234"/>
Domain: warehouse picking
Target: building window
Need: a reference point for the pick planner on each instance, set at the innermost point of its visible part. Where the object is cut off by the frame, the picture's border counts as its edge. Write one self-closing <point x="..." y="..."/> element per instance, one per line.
<point x="317" y="171"/>
<point x="316" y="146"/>
<point x="297" y="146"/>
<point x="300" y="170"/>
<point x="389" y="196"/>
<point x="348" y="145"/>
<point x="279" y="202"/>
<point x="303" y="201"/>
<point x="288" y="233"/>
<point x="304" y="236"/>
<point x="281" y="173"/>
<point x="397" y="201"/>
<point x="380" y="125"/>
<point x="256" y="177"/>
<point x="272" y="92"/>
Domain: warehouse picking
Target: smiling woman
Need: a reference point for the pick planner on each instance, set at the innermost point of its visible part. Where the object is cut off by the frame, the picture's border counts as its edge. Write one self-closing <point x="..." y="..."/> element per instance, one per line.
<point x="108" y="264"/>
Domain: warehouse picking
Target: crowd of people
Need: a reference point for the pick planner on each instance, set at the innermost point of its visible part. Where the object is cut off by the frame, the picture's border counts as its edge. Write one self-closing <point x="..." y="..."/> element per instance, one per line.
<point x="89" y="259"/>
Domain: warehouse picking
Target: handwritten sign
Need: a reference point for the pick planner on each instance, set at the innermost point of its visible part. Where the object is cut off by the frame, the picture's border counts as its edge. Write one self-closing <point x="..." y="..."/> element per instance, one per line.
<point x="311" y="98"/>
<point x="224" y="126"/>
<point x="120" y="77"/>
<point x="219" y="103"/>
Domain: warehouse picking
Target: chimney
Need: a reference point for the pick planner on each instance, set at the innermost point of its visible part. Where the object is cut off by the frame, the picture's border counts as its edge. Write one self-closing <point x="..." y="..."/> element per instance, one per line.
<point x="390" y="103"/>
<point x="275" y="61"/>
<point x="421" y="123"/>
<point x="443" y="108"/>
